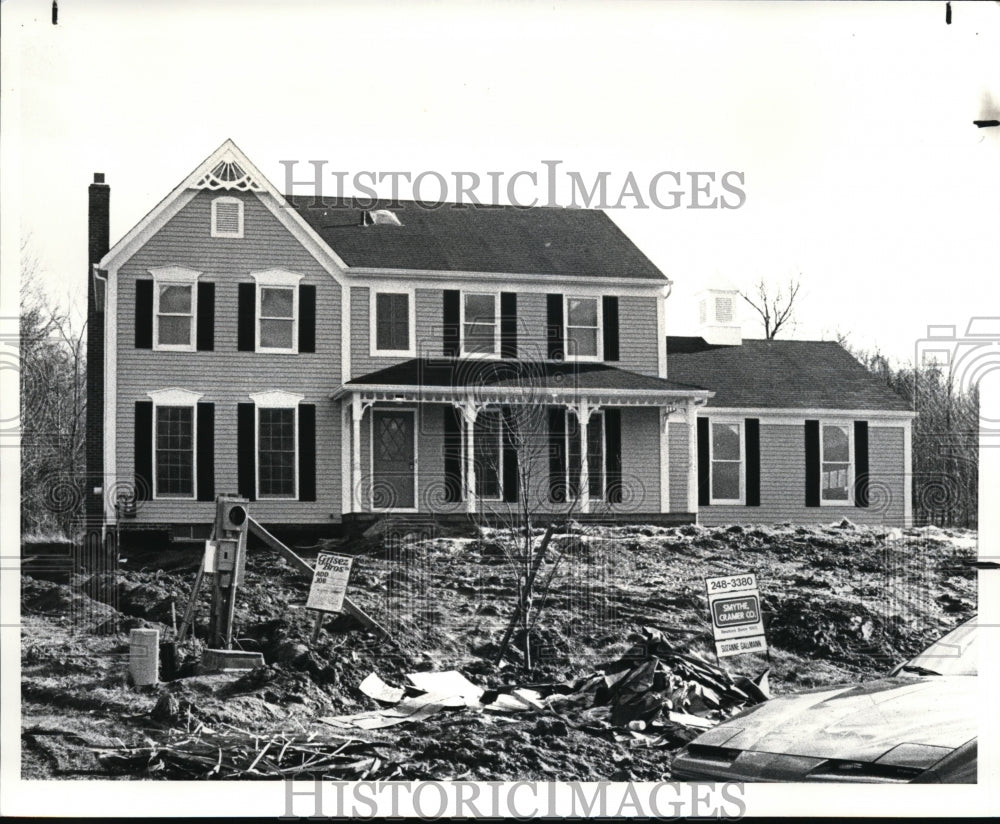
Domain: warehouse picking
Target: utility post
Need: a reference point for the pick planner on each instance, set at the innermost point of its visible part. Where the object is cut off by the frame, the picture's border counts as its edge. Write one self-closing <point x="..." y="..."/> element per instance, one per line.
<point x="230" y="539"/>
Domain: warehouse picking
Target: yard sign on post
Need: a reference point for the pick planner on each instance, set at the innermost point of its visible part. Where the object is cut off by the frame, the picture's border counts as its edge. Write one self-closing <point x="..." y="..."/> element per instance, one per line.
<point x="734" y="605"/>
<point x="329" y="585"/>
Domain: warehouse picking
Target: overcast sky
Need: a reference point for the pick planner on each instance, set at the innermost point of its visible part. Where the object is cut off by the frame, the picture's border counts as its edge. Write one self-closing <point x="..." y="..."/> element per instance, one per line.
<point x="851" y="124"/>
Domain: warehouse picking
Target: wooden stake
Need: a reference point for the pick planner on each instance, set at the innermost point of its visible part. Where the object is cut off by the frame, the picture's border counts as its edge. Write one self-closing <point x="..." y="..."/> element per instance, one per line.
<point x="320" y="615"/>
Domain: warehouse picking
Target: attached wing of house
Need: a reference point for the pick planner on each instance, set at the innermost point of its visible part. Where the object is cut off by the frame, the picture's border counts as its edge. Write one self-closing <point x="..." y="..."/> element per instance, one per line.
<point x="332" y="360"/>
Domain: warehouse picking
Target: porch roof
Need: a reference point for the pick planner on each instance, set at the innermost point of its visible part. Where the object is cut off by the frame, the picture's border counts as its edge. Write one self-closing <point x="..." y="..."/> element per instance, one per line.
<point x="446" y="378"/>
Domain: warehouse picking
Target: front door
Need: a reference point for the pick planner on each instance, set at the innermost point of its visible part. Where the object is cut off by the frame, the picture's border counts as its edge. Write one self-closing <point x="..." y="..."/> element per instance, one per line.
<point x="393" y="459"/>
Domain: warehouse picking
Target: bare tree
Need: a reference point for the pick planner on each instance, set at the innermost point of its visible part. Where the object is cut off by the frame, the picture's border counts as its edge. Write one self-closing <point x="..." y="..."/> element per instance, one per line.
<point x="533" y="555"/>
<point x="775" y="305"/>
<point x="53" y="409"/>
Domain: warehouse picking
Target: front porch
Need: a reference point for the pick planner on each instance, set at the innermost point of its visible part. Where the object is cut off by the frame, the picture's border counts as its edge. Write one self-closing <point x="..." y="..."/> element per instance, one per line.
<point x="503" y="441"/>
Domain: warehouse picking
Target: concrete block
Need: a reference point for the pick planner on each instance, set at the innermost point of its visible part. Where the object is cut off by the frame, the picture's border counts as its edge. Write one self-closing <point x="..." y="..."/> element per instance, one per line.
<point x="144" y="656"/>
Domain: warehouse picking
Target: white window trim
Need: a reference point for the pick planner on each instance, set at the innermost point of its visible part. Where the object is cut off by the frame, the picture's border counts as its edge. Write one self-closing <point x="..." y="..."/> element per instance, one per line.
<point x="604" y="451"/>
<point x="496" y="326"/>
<point x="215" y="229"/>
<point x="275" y="399"/>
<point x="599" y="355"/>
<point x="414" y="411"/>
<point x="177" y="397"/>
<point x="373" y="349"/>
<point x="278" y="279"/>
<point x="175" y="276"/>
<point x="741" y="500"/>
<point x="500" y="465"/>
<point x="849" y="426"/>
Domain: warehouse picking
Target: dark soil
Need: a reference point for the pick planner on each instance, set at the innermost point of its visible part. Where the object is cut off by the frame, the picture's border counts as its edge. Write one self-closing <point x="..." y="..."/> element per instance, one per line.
<point x="841" y="604"/>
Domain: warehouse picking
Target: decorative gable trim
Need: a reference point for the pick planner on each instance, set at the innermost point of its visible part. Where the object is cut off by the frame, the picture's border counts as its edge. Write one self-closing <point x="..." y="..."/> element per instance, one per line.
<point x="229" y="175"/>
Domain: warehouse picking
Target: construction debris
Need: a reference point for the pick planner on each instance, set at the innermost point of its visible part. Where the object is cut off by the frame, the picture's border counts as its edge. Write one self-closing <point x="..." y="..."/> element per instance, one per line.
<point x="236" y="753"/>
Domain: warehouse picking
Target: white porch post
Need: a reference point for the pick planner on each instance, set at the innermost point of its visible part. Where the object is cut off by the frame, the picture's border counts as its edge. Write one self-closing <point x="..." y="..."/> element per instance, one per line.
<point x="346" y="501"/>
<point x="692" y="422"/>
<point x="583" y="411"/>
<point x="357" y="410"/>
<point x="664" y="459"/>
<point x="470" y="411"/>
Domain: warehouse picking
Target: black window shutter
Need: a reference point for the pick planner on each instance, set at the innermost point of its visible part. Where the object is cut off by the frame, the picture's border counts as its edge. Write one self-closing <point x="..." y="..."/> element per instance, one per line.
<point x="613" y="453"/>
<point x="144" y="314"/>
<point x="511" y="476"/>
<point x="704" y="489"/>
<point x="812" y="463"/>
<point x="307" y="452"/>
<point x="861" y="463"/>
<point x="610" y="327"/>
<point x="205" y="459"/>
<point x="752" y="437"/>
<point x="307" y="318"/>
<point x="246" y="450"/>
<point x="452" y="455"/>
<point x="246" y="318"/>
<point x="508" y="324"/>
<point x="557" y="453"/>
<point x="554" y="334"/>
<point x="452" y="321"/>
<point x="143" y="450"/>
<point x="206" y="318"/>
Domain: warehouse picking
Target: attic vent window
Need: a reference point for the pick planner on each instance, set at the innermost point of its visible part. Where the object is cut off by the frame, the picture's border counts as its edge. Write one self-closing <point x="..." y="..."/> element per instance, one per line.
<point x="380" y="217"/>
<point x="227" y="217"/>
<point x="724" y="310"/>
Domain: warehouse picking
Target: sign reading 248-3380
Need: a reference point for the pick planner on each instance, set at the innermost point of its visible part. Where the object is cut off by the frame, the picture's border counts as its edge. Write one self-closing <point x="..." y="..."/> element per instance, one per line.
<point x="734" y="604"/>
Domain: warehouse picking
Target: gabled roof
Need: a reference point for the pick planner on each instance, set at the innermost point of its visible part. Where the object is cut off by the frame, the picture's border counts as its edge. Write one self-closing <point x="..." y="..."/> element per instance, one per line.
<point x="539" y="240"/>
<point x="517" y="374"/>
<point x="227" y="169"/>
<point x="779" y="374"/>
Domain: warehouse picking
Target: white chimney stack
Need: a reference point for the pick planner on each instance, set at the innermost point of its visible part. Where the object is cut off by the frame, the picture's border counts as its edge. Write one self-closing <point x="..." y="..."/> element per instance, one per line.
<point x="718" y="319"/>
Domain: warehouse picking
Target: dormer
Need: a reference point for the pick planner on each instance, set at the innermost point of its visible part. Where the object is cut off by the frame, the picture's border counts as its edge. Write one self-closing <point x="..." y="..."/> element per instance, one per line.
<point x="718" y="321"/>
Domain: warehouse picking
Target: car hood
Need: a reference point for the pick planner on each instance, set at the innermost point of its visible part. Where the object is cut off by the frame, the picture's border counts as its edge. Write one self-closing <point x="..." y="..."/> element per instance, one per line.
<point x="857" y="723"/>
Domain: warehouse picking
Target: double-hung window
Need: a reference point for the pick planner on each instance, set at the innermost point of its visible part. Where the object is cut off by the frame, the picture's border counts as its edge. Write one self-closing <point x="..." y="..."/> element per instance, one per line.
<point x="392" y="323"/>
<point x="174" y="443"/>
<point x="727" y="465"/>
<point x="489" y="454"/>
<point x="480" y="325"/>
<point x="277" y="444"/>
<point x="583" y="327"/>
<point x="175" y="308"/>
<point x="277" y="311"/>
<point x="836" y="470"/>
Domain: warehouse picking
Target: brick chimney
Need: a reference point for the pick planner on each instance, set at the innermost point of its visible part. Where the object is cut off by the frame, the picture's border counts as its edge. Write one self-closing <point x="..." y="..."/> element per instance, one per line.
<point x="98" y="232"/>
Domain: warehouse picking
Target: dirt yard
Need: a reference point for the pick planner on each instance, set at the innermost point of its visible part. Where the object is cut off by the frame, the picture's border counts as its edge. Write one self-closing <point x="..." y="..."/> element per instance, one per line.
<point x="841" y="604"/>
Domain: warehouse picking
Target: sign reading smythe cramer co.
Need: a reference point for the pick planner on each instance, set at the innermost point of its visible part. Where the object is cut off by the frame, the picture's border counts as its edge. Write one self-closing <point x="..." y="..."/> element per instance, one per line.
<point x="734" y="604"/>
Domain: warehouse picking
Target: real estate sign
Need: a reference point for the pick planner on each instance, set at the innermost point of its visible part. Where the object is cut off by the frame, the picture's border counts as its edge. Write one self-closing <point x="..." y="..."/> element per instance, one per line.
<point x="734" y="606"/>
<point x="329" y="583"/>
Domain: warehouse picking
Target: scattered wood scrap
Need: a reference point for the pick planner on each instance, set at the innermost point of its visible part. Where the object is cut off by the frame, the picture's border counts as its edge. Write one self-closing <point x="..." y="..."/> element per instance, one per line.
<point x="236" y="753"/>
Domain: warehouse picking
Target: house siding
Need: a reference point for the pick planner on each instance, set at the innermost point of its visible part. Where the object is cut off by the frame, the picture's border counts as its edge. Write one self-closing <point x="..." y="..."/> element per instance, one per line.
<point x="678" y="454"/>
<point x="225" y="376"/>
<point x="782" y="482"/>
<point x="638" y="340"/>
<point x="640" y="460"/>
